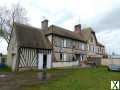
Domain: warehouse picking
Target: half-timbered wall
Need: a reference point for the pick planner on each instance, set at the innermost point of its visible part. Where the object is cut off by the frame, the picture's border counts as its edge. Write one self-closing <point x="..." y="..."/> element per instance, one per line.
<point x="32" y="58"/>
<point x="27" y="58"/>
<point x="64" y="51"/>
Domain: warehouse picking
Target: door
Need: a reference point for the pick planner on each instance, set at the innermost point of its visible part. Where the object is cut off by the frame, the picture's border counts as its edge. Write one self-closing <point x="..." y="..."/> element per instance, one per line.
<point x="44" y="61"/>
<point x="77" y="57"/>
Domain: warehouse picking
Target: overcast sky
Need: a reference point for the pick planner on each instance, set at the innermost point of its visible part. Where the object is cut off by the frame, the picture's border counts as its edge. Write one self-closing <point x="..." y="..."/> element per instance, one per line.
<point x="102" y="15"/>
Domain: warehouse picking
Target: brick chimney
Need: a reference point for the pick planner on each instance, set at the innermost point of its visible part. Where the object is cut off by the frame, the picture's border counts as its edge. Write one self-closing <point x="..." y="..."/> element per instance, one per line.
<point x="44" y="24"/>
<point x="77" y="28"/>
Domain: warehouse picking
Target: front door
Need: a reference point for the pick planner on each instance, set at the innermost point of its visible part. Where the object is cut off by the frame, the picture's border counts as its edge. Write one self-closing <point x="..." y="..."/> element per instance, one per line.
<point x="77" y="57"/>
<point x="44" y="61"/>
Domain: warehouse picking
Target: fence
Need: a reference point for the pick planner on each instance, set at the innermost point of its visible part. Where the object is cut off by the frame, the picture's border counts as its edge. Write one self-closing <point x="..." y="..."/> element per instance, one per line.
<point x="110" y="61"/>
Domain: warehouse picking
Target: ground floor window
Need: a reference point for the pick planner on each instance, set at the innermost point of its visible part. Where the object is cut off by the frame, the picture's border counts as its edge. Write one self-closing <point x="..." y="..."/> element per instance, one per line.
<point x="63" y="56"/>
<point x="82" y="57"/>
<point x="67" y="57"/>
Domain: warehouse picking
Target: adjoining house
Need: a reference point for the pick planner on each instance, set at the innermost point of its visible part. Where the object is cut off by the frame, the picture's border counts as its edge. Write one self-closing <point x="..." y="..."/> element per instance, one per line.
<point x="96" y="50"/>
<point x="53" y="46"/>
<point x="69" y="48"/>
<point x="28" y="48"/>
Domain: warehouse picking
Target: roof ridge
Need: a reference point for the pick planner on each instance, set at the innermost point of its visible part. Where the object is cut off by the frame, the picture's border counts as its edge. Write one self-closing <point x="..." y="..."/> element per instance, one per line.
<point x="27" y="25"/>
<point x="61" y="28"/>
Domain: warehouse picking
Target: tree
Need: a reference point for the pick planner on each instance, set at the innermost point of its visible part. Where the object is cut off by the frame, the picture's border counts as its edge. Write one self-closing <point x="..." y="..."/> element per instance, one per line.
<point x="8" y="17"/>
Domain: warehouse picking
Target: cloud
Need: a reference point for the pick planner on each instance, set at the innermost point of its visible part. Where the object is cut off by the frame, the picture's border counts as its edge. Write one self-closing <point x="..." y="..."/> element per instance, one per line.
<point x="110" y="21"/>
<point x="3" y="46"/>
<point x="109" y="39"/>
<point x="101" y="15"/>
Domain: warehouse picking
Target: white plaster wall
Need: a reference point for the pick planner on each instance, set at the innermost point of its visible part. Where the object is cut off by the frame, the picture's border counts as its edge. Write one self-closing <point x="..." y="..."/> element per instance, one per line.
<point x="65" y="64"/>
<point x="49" y="61"/>
<point x="40" y="61"/>
<point x="14" y="63"/>
<point x="12" y="49"/>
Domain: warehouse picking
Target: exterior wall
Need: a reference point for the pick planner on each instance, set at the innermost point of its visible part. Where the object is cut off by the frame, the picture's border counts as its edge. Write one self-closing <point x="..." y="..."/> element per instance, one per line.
<point x="65" y="64"/>
<point x="28" y="59"/>
<point x="91" y="45"/>
<point x="106" y="62"/>
<point x="40" y="60"/>
<point x="49" y="61"/>
<point x="94" y="50"/>
<point x="100" y="50"/>
<point x="12" y="51"/>
<point x="67" y="47"/>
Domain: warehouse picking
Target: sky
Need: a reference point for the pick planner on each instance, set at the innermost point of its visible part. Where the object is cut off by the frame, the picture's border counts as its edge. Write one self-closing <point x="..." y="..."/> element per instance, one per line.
<point x="102" y="15"/>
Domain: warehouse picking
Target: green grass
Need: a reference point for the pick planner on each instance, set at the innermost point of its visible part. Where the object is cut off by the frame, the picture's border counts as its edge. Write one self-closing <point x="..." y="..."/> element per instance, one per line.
<point x="5" y="69"/>
<point x="79" y="79"/>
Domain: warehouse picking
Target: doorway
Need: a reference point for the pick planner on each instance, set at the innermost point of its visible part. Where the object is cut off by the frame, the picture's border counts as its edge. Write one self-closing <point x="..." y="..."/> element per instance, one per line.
<point x="77" y="57"/>
<point x="44" y="61"/>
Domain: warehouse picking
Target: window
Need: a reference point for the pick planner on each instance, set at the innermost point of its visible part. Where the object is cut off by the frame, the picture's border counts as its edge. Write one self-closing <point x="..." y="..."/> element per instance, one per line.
<point x="65" y="43"/>
<point x="80" y="46"/>
<point x="61" y="56"/>
<point x="70" y="57"/>
<point x="83" y="46"/>
<point x="98" y="49"/>
<point x="73" y="44"/>
<point x="91" y="48"/>
<point x="65" y="57"/>
<point x="94" y="49"/>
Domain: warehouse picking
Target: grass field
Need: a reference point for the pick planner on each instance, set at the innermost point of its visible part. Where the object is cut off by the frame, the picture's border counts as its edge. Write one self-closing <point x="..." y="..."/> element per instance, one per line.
<point x="5" y="69"/>
<point x="79" y="79"/>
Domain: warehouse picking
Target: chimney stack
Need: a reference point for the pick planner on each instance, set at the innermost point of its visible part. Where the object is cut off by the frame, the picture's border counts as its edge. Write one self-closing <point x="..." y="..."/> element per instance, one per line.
<point x="44" y="24"/>
<point x="77" y="28"/>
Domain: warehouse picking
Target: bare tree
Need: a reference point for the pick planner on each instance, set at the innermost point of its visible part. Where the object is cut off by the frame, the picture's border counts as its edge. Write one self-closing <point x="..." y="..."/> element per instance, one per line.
<point x="8" y="17"/>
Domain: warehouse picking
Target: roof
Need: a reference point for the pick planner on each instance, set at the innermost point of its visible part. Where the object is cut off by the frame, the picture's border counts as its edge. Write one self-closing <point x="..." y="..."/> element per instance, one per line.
<point x="56" y="30"/>
<point x="99" y="44"/>
<point x="31" y="37"/>
<point x="87" y="33"/>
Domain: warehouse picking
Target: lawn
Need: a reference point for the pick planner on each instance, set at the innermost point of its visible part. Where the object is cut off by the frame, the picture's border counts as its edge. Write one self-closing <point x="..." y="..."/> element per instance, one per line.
<point x="79" y="79"/>
<point x="5" y="69"/>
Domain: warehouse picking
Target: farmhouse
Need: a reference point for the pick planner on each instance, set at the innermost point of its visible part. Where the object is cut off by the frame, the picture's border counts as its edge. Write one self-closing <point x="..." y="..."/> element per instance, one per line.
<point x="53" y="46"/>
